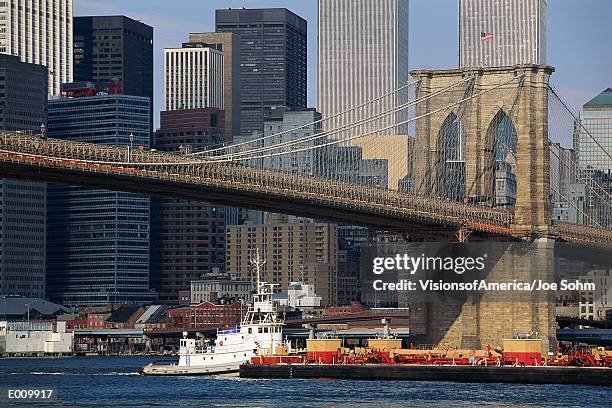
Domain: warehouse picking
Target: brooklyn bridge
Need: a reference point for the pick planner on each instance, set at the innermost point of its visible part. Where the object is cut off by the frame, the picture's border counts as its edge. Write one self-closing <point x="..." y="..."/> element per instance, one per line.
<point x="467" y="155"/>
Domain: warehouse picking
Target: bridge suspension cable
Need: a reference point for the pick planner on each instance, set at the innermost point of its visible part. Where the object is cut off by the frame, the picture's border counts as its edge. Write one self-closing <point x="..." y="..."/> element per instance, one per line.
<point x="247" y="155"/>
<point x="307" y="125"/>
<point x="580" y="180"/>
<point x="335" y="142"/>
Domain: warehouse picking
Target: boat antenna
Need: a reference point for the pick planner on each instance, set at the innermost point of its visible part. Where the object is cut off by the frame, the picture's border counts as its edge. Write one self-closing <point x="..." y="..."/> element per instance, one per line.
<point x="257" y="264"/>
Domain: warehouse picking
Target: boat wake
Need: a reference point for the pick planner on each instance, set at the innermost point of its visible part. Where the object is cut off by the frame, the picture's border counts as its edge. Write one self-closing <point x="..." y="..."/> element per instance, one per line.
<point x="112" y="373"/>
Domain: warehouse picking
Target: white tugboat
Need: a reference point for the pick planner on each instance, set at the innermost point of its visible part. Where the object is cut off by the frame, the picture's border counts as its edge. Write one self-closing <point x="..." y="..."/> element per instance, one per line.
<point x="259" y="334"/>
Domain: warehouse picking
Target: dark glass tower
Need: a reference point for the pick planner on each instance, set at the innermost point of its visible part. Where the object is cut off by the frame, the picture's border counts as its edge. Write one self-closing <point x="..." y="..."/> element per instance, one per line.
<point x="98" y="240"/>
<point x="272" y="60"/>
<point x="116" y="53"/>
<point x="23" y="203"/>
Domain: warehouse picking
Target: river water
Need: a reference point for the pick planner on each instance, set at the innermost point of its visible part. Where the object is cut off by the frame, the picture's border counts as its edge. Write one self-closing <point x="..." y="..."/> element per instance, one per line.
<point x="114" y="382"/>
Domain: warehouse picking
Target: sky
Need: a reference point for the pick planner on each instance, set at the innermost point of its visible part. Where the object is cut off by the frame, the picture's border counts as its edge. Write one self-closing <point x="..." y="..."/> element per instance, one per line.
<point x="578" y="42"/>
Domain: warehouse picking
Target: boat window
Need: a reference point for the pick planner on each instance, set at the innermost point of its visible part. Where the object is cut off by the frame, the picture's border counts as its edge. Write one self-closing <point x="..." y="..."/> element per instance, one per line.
<point x="259" y="330"/>
<point x="250" y="330"/>
<point x="265" y="329"/>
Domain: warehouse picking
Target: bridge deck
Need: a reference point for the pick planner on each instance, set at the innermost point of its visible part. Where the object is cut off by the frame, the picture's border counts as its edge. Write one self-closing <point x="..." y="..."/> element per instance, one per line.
<point x="226" y="183"/>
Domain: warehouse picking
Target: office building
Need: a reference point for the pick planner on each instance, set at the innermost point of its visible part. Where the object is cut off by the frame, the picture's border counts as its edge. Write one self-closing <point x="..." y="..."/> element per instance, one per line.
<point x="187" y="237"/>
<point x="594" y="305"/>
<point x="39" y="32"/>
<point x="23" y="203"/>
<point x="593" y="144"/>
<point x="221" y="287"/>
<point x="287" y="121"/>
<point x="494" y="33"/>
<point x="363" y="54"/>
<point x="98" y="240"/>
<point x="116" y="53"/>
<point x="272" y="60"/>
<point x="593" y="136"/>
<point x="297" y="250"/>
<point x="229" y="44"/>
<point x="193" y="77"/>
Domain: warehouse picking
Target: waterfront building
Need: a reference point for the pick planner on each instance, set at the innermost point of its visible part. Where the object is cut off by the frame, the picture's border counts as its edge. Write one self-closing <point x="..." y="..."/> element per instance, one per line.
<point x="294" y="250"/>
<point x="363" y="54"/>
<point x="219" y="287"/>
<point x="35" y="338"/>
<point x="154" y="318"/>
<point x="205" y="315"/>
<point x="116" y="53"/>
<point x="187" y="237"/>
<point x="229" y="44"/>
<point x="494" y="33"/>
<point x="272" y="60"/>
<point x="29" y="308"/>
<point x="98" y="240"/>
<point x="193" y="77"/>
<point x="124" y="317"/>
<point x="23" y="203"/>
<point x="39" y="32"/>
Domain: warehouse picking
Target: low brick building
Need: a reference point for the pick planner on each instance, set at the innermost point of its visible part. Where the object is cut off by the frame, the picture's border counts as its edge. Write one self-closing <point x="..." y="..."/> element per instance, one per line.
<point x="205" y="315"/>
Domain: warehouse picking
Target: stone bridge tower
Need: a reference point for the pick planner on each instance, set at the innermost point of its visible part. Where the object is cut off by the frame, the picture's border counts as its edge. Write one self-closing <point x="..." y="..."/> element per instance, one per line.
<point x="460" y="145"/>
<point x="521" y="103"/>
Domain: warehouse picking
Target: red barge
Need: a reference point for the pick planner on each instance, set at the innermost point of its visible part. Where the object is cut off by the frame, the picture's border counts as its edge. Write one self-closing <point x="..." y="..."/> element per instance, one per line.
<point x="521" y="361"/>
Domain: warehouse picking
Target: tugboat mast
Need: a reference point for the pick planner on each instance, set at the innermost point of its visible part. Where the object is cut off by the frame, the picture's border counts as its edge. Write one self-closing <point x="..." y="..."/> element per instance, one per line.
<point x="257" y="263"/>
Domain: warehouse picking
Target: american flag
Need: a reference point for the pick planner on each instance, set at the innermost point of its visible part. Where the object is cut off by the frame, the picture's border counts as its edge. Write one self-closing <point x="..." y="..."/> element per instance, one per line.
<point x="486" y="36"/>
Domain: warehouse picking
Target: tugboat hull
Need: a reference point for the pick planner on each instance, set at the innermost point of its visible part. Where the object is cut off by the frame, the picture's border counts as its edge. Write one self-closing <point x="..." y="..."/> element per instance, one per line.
<point x="169" y="370"/>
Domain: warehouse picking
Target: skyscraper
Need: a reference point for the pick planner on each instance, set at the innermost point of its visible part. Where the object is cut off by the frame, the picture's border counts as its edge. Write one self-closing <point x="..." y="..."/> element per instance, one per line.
<point x="229" y="43"/>
<point x="116" y="53"/>
<point x="39" y="32"/>
<point x="98" y="240"/>
<point x="272" y="59"/>
<point x="363" y="53"/>
<point x="193" y="77"/>
<point x="23" y="204"/>
<point x="593" y="137"/>
<point x="495" y="33"/>
<point x="187" y="237"/>
<point x="593" y="144"/>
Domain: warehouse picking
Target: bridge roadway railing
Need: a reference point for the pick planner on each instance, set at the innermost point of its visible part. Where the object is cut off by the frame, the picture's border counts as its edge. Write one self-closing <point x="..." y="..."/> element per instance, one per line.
<point x="88" y="157"/>
<point x="583" y="234"/>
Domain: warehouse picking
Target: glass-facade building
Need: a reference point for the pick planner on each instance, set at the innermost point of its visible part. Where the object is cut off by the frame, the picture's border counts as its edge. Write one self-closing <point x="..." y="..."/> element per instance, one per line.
<point x="593" y="144"/>
<point x="272" y="59"/>
<point x="98" y="240"/>
<point x="116" y="53"/>
<point x="23" y="203"/>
